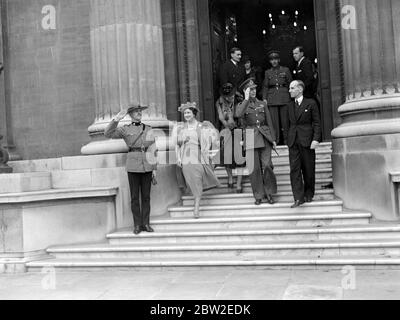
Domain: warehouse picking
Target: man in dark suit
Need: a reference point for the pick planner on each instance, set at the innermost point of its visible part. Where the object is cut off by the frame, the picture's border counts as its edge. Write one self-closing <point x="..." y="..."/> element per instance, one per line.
<point x="233" y="71"/>
<point x="304" y="137"/>
<point x="304" y="72"/>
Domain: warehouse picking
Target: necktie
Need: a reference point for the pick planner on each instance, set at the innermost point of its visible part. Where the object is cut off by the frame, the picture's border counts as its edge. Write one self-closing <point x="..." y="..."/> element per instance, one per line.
<point x="297" y="104"/>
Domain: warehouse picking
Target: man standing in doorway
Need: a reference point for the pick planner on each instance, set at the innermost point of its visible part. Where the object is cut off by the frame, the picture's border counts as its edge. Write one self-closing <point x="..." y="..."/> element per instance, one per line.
<point x="233" y="71"/>
<point x="276" y="93"/>
<point x="304" y="72"/>
<point x="303" y="139"/>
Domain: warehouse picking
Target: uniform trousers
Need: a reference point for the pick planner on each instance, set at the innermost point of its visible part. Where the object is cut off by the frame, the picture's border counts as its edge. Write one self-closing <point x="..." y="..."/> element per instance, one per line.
<point x="140" y="186"/>
<point x="302" y="171"/>
<point x="262" y="177"/>
<point x="280" y="121"/>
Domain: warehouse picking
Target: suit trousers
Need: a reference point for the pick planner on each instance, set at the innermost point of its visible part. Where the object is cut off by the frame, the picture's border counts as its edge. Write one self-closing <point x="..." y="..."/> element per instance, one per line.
<point x="140" y="186"/>
<point x="280" y="120"/>
<point x="302" y="171"/>
<point x="262" y="177"/>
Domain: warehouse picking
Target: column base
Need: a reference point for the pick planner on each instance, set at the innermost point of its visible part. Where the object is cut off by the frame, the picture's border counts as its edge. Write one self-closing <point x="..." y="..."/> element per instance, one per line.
<point x="101" y="145"/>
<point x="366" y="151"/>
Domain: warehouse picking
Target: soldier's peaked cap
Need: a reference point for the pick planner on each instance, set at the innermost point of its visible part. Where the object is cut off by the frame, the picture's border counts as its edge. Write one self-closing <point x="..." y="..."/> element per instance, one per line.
<point x="249" y="83"/>
<point x="274" y="54"/>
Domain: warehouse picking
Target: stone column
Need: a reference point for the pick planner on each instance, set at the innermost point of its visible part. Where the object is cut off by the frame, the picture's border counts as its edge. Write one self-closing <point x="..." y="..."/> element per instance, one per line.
<point x="128" y="65"/>
<point x="367" y="144"/>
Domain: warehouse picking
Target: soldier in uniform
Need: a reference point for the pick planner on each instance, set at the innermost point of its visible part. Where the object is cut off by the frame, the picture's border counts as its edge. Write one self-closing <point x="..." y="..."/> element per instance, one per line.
<point x="276" y="92"/>
<point x="259" y="144"/>
<point x="141" y="166"/>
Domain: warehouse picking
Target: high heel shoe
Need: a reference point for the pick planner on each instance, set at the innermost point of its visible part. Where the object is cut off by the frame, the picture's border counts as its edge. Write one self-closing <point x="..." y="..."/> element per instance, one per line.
<point x="239" y="191"/>
<point x="230" y="185"/>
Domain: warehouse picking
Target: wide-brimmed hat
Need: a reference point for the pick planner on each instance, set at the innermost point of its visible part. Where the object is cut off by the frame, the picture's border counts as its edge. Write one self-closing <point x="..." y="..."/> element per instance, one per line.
<point x="274" y="54"/>
<point x="188" y="105"/>
<point x="249" y="83"/>
<point x="227" y="90"/>
<point x="136" y="107"/>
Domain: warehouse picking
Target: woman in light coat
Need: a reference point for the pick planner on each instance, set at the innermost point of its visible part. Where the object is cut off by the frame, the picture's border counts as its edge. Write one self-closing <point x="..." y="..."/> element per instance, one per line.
<point x="196" y="144"/>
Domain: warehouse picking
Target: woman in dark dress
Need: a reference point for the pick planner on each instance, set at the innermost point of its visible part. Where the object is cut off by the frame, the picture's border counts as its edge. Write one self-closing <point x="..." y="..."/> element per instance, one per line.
<point x="226" y="107"/>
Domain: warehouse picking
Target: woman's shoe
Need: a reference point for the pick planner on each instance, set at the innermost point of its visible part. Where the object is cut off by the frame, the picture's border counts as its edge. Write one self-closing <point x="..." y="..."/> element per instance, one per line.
<point x="239" y="191"/>
<point x="196" y="215"/>
<point x="230" y="185"/>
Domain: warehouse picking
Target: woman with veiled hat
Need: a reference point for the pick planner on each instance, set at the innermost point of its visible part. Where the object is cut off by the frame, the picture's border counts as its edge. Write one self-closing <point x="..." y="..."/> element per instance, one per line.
<point x="231" y="135"/>
<point x="196" y="144"/>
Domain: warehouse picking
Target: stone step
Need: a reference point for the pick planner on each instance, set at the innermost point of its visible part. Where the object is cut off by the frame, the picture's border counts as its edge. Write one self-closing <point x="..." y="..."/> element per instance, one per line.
<point x="248" y="198"/>
<point x="283" y="186"/>
<point x="279" y="166"/>
<point x="320" y="174"/>
<point x="238" y="222"/>
<point x="205" y="236"/>
<point x="333" y="206"/>
<point x="302" y="262"/>
<point x="250" y="250"/>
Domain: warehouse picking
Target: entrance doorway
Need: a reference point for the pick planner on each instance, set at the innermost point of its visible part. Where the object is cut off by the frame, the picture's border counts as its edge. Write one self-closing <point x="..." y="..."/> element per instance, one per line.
<point x="258" y="26"/>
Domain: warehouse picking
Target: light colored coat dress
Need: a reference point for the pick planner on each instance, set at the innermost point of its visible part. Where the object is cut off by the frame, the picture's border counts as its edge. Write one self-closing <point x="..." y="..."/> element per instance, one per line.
<point x="195" y="149"/>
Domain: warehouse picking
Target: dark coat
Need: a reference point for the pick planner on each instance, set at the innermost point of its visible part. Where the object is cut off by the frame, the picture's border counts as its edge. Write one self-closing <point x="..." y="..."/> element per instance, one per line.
<point x="305" y="73"/>
<point x="276" y="86"/>
<point x="230" y="73"/>
<point x="256" y="116"/>
<point x="305" y="123"/>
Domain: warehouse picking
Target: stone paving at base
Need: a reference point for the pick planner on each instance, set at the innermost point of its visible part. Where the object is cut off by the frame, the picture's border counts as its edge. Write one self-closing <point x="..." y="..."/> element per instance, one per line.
<point x="203" y="284"/>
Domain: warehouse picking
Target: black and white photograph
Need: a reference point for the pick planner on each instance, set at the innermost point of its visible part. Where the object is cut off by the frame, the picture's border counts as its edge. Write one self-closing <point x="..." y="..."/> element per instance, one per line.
<point x="179" y="152"/>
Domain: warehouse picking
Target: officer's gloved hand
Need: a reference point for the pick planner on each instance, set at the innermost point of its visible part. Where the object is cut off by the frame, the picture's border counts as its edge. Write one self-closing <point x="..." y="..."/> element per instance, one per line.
<point x="247" y="94"/>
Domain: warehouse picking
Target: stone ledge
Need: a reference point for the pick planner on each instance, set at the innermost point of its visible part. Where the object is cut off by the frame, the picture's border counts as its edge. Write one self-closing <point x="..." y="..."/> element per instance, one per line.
<point x="59" y="194"/>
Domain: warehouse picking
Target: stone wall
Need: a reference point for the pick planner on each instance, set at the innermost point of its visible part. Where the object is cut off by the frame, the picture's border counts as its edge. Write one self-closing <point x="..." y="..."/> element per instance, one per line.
<point x="50" y="77"/>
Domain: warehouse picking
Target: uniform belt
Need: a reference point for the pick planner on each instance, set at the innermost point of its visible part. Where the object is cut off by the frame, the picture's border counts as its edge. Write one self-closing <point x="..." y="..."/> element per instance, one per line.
<point x="278" y="86"/>
<point x="142" y="149"/>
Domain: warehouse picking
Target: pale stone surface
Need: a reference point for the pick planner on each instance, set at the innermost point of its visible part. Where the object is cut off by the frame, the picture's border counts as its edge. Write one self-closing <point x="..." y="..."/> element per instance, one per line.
<point x="34" y="226"/>
<point x="67" y="222"/>
<point x="24" y="182"/>
<point x="361" y="168"/>
<point x="43" y="165"/>
<point x="208" y="284"/>
<point x="313" y="293"/>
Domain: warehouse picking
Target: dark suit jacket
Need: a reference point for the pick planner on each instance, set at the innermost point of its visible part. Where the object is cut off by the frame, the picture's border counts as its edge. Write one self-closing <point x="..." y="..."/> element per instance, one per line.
<point x="230" y="73"/>
<point x="305" y="123"/>
<point x="305" y="73"/>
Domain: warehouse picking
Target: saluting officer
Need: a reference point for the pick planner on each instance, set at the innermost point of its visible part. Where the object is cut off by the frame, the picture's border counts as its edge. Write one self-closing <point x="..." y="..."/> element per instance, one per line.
<point x="141" y="165"/>
<point x="257" y="120"/>
<point x="276" y="92"/>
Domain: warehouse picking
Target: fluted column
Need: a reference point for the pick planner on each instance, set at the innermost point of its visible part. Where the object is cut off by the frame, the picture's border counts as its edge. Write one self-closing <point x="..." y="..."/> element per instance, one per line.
<point x="367" y="144"/>
<point x="128" y="65"/>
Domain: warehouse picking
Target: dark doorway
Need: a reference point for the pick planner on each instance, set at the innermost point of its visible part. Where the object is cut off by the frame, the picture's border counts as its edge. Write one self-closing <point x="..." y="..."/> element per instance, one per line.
<point x="258" y="26"/>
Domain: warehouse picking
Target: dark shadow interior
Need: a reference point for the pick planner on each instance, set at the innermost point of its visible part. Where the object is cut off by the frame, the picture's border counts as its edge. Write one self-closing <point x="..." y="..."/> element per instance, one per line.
<point x="248" y="24"/>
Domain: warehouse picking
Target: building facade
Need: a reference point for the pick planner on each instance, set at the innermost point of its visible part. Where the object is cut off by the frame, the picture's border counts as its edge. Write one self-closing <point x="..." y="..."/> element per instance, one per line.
<point x="70" y="65"/>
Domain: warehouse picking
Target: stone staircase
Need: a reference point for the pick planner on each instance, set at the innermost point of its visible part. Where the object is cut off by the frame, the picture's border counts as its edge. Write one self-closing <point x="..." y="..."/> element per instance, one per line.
<point x="233" y="232"/>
